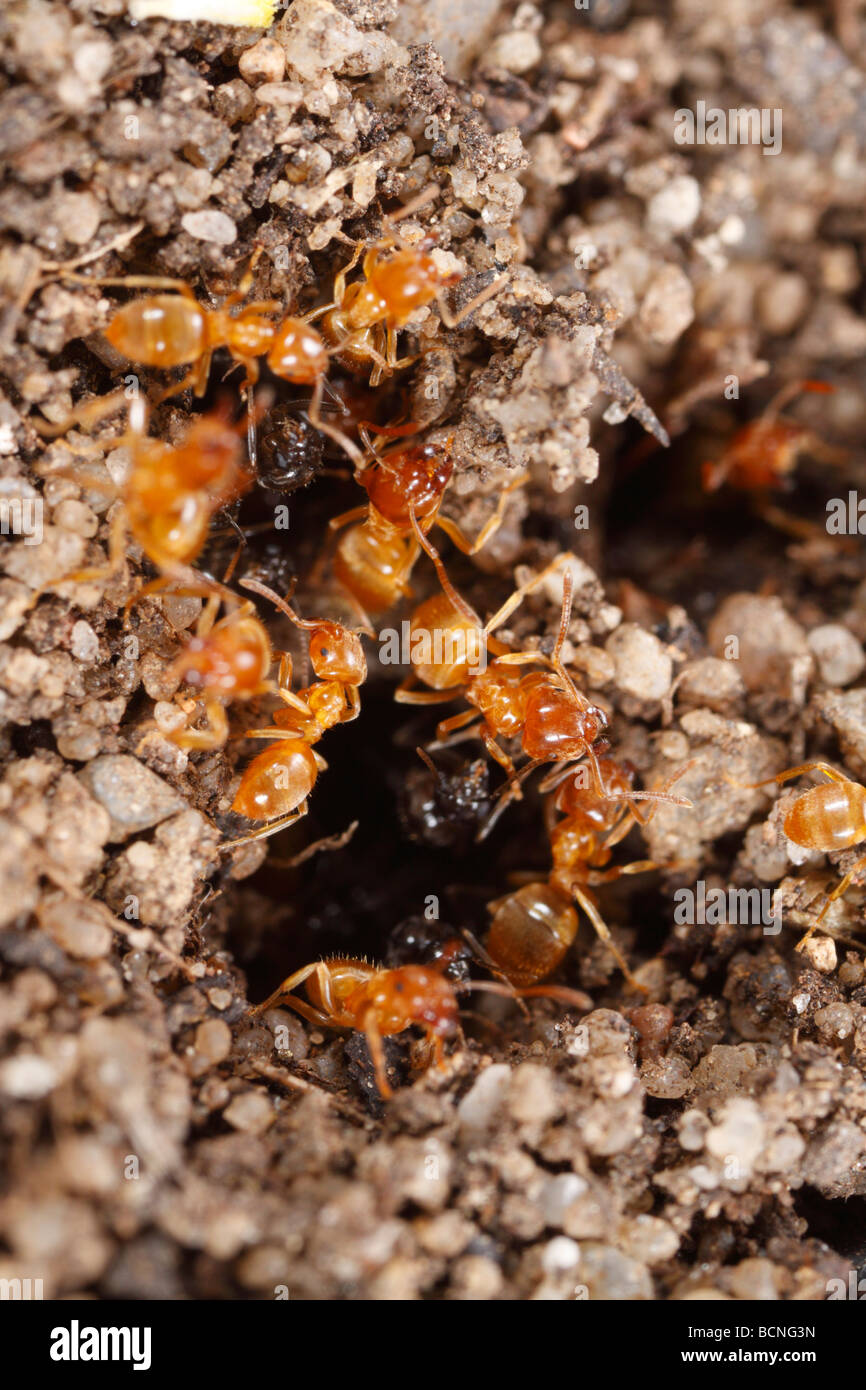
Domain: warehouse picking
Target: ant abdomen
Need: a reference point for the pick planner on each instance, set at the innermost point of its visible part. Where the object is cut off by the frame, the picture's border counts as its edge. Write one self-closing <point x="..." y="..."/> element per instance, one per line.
<point x="164" y="330"/>
<point x="290" y="451"/>
<point x="372" y="567"/>
<point x="828" y="817"/>
<point x="277" y="781"/>
<point x="445" y="645"/>
<point x="531" y="932"/>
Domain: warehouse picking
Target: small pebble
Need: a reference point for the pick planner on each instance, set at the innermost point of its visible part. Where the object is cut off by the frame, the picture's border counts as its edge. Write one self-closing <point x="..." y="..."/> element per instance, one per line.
<point x="264" y="62"/>
<point x="213" y="1040"/>
<point x="821" y="951"/>
<point x="251" y="1112"/>
<point x="83" y="929"/>
<point x="675" y="208"/>
<point x="642" y="666"/>
<point x="838" y="653"/>
<point x="134" y="797"/>
<point x="210" y="225"/>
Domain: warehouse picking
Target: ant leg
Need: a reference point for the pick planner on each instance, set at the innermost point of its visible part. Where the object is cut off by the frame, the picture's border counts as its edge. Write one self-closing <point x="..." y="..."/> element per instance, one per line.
<point x="629" y="818"/>
<point x="505" y="798"/>
<point x="88" y="414"/>
<point x="134" y="282"/>
<point x="272" y="732"/>
<point x="490" y="527"/>
<point x="116" y="561"/>
<point x="345" y="518"/>
<point x="456" y="600"/>
<point x="603" y="931"/>
<point x="214" y="735"/>
<point x="520" y="594"/>
<point x="637" y="866"/>
<point x="574" y="997"/>
<point x="392" y="362"/>
<point x="502" y="758"/>
<point x="790" y="391"/>
<point x="196" y="378"/>
<point x="840" y="888"/>
<point x="290" y="983"/>
<point x="377" y="1053"/>
<point x="329" y="842"/>
<point x="456" y="721"/>
<point x="339" y="290"/>
<point x="339" y="438"/>
<point x="405" y="695"/>
<point x="435" y="1042"/>
<point x="452" y="321"/>
<point x="270" y="829"/>
<point x="816" y="766"/>
<point x="484" y="958"/>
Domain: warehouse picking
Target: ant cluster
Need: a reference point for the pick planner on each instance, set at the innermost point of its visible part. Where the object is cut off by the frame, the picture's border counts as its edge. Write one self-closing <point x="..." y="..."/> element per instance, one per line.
<point x="525" y="706"/>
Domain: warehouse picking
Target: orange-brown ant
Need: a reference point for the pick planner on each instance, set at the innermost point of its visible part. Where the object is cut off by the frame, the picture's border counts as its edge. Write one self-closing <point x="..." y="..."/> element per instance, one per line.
<point x="405" y="484"/>
<point x="228" y="661"/>
<point x="552" y="717"/>
<point x="346" y="993"/>
<point x="533" y="928"/>
<point x="365" y="317"/>
<point x="170" y="497"/>
<point x="172" y="329"/>
<point x="762" y="455"/>
<point x="448" y="648"/>
<point x="827" y="817"/>
<point x="275" y="785"/>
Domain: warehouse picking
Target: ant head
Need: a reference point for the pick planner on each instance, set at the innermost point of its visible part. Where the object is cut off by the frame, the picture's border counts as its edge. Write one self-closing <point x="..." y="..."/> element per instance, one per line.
<point x="557" y="727"/>
<point x="232" y="660"/>
<point x="336" y="654"/>
<point x="418" y="994"/>
<point x="595" y="722"/>
<point x="211" y="456"/>
<point x="298" y="353"/>
<point x="412" y="478"/>
<point x="406" y="281"/>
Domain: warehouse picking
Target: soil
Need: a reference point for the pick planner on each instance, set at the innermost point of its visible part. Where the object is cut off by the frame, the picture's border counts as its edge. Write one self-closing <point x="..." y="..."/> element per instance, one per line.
<point x="705" y="1140"/>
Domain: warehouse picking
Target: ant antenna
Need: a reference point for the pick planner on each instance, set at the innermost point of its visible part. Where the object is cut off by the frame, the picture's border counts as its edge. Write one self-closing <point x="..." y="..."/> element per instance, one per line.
<point x="451" y="593"/>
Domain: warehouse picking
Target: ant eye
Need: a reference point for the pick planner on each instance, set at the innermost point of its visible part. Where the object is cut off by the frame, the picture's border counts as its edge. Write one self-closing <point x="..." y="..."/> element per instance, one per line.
<point x="326" y="653"/>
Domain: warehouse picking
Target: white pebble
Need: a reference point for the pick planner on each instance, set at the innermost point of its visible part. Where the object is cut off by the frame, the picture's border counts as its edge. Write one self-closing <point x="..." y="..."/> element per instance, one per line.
<point x="674" y="209"/>
<point x="210" y="225"/>
<point x="838" y="653"/>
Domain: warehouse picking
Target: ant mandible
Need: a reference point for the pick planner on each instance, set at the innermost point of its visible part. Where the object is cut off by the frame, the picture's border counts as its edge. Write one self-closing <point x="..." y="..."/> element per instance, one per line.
<point x="827" y="817"/>
<point x="275" y="785"/>
<point x="533" y="928"/>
